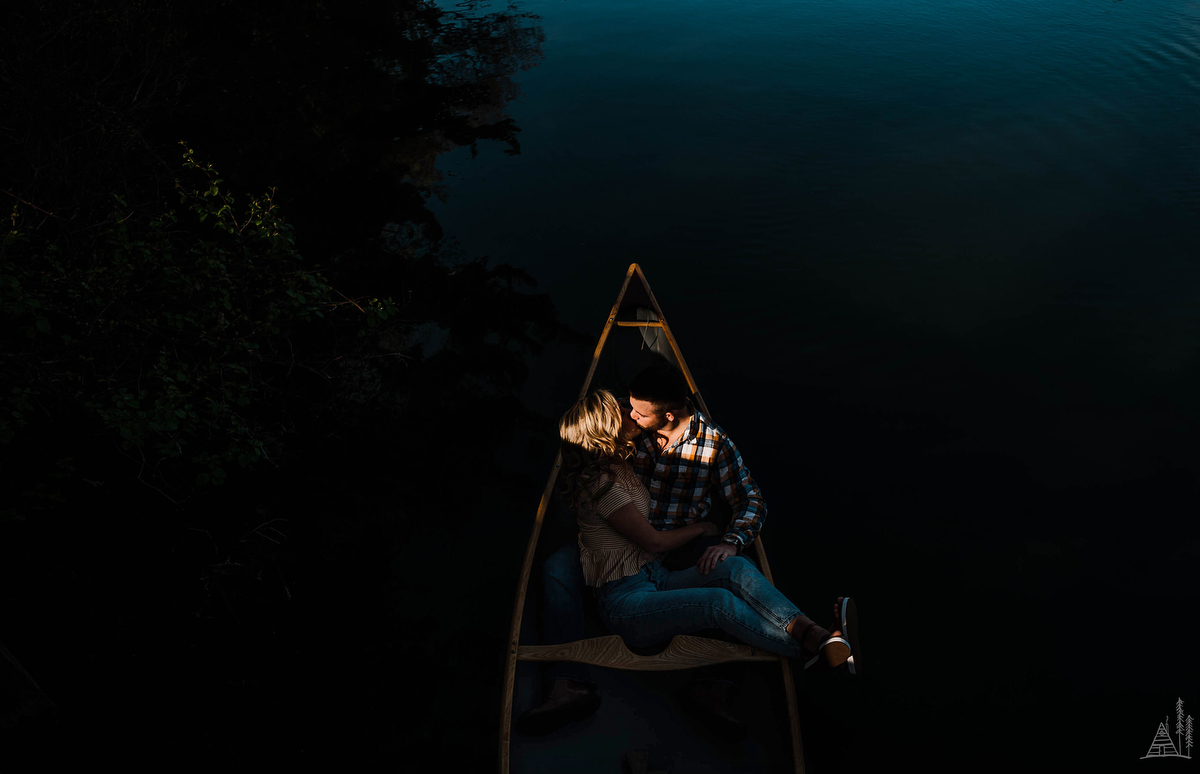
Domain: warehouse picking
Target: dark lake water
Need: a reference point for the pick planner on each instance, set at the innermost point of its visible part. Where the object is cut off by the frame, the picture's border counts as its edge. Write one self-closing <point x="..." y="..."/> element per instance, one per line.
<point x="877" y="200"/>
<point x="936" y="267"/>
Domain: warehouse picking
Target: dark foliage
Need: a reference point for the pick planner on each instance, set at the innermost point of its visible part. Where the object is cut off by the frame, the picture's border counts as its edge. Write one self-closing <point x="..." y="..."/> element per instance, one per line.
<point x="321" y="349"/>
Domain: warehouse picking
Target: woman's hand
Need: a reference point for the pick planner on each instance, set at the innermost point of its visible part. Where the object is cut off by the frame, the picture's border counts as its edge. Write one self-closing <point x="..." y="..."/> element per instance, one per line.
<point x="709" y="529"/>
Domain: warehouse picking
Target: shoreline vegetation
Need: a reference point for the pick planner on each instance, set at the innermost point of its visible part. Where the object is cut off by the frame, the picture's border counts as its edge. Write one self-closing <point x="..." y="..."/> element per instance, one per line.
<point x="234" y="404"/>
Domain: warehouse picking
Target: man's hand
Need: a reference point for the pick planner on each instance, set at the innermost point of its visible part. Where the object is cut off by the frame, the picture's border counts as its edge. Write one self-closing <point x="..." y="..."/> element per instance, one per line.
<point x="713" y="554"/>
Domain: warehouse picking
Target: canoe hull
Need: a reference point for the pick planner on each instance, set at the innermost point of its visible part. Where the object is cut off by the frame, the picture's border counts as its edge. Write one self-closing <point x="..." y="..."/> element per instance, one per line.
<point x="639" y="710"/>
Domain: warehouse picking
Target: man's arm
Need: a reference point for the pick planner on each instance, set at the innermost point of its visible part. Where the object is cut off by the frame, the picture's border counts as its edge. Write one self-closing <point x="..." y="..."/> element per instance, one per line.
<point x="741" y="493"/>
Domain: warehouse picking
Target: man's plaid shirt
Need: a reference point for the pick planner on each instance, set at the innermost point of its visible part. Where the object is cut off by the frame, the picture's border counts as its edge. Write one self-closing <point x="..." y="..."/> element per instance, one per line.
<point x="681" y="481"/>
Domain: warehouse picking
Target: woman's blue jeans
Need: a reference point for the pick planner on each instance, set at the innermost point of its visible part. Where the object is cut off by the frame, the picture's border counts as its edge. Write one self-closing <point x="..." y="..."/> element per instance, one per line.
<point x="656" y="604"/>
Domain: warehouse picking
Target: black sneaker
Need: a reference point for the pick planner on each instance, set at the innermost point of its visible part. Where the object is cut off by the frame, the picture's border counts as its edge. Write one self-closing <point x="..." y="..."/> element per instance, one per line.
<point x="580" y="701"/>
<point x="711" y="703"/>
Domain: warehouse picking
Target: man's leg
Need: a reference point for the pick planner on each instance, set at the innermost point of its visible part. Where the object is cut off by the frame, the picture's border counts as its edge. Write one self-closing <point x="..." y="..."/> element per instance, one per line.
<point x="562" y="608"/>
<point x="571" y="695"/>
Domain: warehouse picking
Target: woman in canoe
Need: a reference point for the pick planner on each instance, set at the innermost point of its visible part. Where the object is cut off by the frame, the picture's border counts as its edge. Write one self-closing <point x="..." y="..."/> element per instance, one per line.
<point x="620" y="553"/>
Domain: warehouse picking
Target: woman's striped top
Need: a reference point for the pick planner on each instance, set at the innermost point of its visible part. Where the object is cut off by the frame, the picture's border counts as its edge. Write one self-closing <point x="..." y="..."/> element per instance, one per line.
<point x="605" y="553"/>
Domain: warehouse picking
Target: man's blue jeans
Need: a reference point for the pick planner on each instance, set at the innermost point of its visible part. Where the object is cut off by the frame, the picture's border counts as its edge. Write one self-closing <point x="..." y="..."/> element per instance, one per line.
<point x="656" y="604"/>
<point x="562" y="608"/>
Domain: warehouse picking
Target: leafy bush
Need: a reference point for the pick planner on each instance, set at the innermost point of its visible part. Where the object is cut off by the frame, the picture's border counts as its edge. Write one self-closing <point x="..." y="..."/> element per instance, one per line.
<point x="177" y="331"/>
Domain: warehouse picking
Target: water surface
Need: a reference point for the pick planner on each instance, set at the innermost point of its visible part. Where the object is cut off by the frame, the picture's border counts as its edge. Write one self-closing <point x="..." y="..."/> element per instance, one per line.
<point x="935" y="266"/>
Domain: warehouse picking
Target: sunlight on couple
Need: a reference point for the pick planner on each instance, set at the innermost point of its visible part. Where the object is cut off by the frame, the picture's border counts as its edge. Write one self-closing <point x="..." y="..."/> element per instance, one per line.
<point x="642" y="477"/>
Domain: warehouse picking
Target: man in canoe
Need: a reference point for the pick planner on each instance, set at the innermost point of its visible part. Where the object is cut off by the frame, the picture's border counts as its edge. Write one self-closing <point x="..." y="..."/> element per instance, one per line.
<point x="647" y="542"/>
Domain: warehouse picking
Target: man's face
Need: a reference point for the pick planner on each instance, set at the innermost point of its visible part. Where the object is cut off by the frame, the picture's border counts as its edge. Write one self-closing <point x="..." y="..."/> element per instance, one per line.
<point x="642" y="412"/>
<point x="629" y="428"/>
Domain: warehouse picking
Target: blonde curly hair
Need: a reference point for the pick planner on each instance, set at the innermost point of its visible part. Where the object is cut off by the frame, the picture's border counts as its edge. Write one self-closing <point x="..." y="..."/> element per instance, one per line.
<point x="591" y="442"/>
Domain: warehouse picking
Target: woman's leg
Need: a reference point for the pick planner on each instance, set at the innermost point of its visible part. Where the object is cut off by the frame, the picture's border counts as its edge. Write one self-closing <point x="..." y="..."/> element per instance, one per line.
<point x="739" y="576"/>
<point x="643" y="612"/>
<point x="742" y="577"/>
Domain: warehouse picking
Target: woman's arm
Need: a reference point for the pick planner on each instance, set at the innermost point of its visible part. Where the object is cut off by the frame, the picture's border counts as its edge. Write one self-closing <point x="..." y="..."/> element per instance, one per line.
<point x="632" y="524"/>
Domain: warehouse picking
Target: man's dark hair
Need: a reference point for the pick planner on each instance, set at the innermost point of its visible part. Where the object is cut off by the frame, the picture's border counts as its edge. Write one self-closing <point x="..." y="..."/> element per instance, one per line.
<point x="663" y="387"/>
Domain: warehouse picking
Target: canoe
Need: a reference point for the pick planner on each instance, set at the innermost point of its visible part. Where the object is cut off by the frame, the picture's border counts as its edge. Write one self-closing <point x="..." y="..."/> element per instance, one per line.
<point x="638" y="725"/>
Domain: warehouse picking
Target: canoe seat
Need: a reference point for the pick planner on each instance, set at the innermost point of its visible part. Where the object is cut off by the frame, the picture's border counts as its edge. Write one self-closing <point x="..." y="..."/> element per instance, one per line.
<point x="685" y="651"/>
